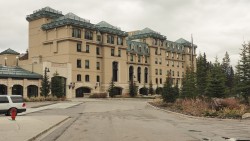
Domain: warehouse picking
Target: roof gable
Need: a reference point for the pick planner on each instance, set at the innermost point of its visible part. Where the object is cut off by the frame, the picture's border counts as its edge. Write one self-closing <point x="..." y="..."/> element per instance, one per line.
<point x="9" y="51"/>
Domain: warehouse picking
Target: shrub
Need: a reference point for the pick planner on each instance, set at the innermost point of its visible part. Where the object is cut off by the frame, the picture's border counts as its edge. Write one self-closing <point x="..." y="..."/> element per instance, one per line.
<point x="158" y="90"/>
<point x="144" y="91"/>
<point x="98" y="95"/>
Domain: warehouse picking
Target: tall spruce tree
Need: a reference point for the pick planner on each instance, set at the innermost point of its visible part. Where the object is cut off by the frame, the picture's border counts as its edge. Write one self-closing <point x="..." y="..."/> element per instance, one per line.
<point x="132" y="89"/>
<point x="189" y="89"/>
<point x="243" y="73"/>
<point x="45" y="89"/>
<point x="151" y="89"/>
<point x="201" y="74"/>
<point x="112" y="90"/>
<point x="216" y="81"/>
<point x="168" y="92"/>
<point x="229" y="74"/>
<point x="57" y="86"/>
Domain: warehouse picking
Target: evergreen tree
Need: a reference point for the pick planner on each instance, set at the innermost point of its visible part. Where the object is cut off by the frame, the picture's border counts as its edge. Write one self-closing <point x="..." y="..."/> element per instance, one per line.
<point x="168" y="92"/>
<point x="151" y="89"/>
<point x="57" y="86"/>
<point x="189" y="89"/>
<point x="112" y="90"/>
<point x="216" y="81"/>
<point x="229" y="74"/>
<point x="201" y="74"/>
<point x="243" y="73"/>
<point x="45" y="89"/>
<point x="132" y="89"/>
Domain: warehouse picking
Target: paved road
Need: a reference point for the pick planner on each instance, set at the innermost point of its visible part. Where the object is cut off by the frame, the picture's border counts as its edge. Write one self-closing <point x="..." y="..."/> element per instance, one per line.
<point x="134" y="120"/>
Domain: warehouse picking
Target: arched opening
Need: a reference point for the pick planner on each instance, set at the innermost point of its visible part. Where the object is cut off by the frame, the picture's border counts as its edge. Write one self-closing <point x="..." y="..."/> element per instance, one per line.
<point x="3" y="89"/>
<point x="17" y="90"/>
<point x="58" y="85"/>
<point x="115" y="71"/>
<point x="139" y="74"/>
<point x="131" y="73"/>
<point x="146" y="75"/>
<point x="118" y="90"/>
<point x="32" y="91"/>
<point x="80" y="91"/>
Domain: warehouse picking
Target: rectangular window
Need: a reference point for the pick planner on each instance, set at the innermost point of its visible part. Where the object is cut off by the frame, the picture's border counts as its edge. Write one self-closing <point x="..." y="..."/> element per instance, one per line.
<point x="177" y="56"/>
<point x="76" y="33"/>
<point x="160" y="81"/>
<point x="156" y="60"/>
<point x="119" y="41"/>
<point x="79" y="47"/>
<point x="156" y="71"/>
<point x="88" y="35"/>
<point x="146" y="59"/>
<point x="167" y="54"/>
<point x="160" y="61"/>
<point x="87" y="48"/>
<point x="167" y="62"/>
<point x="156" y="80"/>
<point x="182" y="57"/>
<point x="97" y="78"/>
<point x="112" y="52"/>
<point x="86" y="78"/>
<point x="79" y="63"/>
<point x="139" y="58"/>
<point x="172" y="63"/>
<point x="86" y="64"/>
<point x="131" y="57"/>
<point x="79" y="77"/>
<point x="172" y="55"/>
<point x="178" y="73"/>
<point x="156" y="50"/>
<point x="98" y="65"/>
<point x="173" y="73"/>
<point x="160" y="72"/>
<point x="110" y="39"/>
<point x="182" y="65"/>
<point x="119" y="53"/>
<point x="97" y="51"/>
<point x="99" y="38"/>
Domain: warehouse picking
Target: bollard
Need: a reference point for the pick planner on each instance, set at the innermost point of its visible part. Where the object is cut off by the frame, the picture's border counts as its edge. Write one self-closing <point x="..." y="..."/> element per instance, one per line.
<point x="13" y="113"/>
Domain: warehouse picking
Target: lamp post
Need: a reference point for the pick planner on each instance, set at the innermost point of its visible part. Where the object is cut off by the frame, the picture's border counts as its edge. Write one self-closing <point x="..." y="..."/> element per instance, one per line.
<point x="5" y="61"/>
<point x="17" y="60"/>
<point x="46" y="70"/>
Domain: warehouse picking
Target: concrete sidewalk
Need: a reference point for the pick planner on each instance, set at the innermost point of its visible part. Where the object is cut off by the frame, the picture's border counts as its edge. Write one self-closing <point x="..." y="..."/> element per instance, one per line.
<point x="27" y="127"/>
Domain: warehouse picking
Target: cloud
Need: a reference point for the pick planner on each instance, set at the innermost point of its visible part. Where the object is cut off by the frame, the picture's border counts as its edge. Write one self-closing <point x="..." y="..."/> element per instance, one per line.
<point x="217" y="26"/>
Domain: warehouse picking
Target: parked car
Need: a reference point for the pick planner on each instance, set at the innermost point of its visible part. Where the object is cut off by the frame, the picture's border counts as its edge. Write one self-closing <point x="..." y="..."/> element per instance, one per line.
<point x="10" y="102"/>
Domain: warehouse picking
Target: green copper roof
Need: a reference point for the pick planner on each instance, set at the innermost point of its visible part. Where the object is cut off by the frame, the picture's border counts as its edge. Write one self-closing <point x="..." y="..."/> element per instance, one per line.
<point x="185" y="42"/>
<point x="9" y="51"/>
<point x="69" y="19"/>
<point x="45" y="12"/>
<point x="145" y="33"/>
<point x="137" y="47"/>
<point x="17" y="72"/>
<point x="105" y="27"/>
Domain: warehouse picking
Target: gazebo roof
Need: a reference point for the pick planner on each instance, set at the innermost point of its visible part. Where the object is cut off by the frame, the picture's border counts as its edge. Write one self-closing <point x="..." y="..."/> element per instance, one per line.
<point x="17" y="72"/>
<point x="9" y="51"/>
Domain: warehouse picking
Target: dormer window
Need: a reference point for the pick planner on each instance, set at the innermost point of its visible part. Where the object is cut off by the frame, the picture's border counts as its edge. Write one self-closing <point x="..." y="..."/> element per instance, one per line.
<point x="88" y="35"/>
<point x="119" y="41"/>
<point x="110" y="39"/>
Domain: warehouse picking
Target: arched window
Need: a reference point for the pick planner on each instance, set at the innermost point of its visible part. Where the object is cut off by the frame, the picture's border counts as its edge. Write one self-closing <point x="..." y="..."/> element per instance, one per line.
<point x="115" y="71"/>
<point x="131" y="73"/>
<point x="146" y="75"/>
<point x="139" y="74"/>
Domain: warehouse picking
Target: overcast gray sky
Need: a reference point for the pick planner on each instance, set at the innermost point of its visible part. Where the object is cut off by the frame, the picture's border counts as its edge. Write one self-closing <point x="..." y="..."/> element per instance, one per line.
<point x="217" y="25"/>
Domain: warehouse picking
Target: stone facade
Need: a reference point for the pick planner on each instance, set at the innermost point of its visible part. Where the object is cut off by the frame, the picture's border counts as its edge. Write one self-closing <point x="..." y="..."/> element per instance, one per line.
<point x="90" y="55"/>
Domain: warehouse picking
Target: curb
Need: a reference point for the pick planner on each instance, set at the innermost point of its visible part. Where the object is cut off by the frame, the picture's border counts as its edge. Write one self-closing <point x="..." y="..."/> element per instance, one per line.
<point x="193" y="117"/>
<point x="43" y="132"/>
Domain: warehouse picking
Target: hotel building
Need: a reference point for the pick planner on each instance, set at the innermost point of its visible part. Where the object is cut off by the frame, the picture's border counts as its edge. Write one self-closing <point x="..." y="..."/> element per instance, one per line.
<point x="88" y="56"/>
